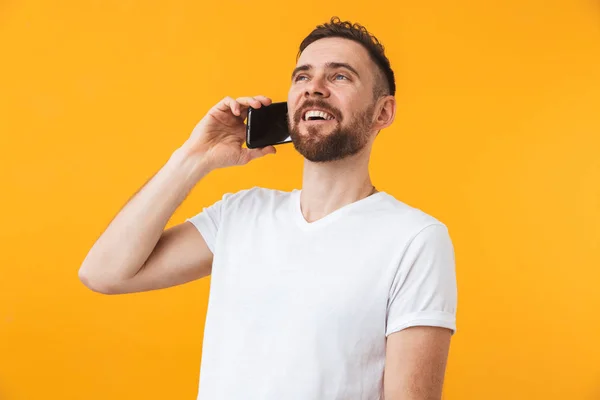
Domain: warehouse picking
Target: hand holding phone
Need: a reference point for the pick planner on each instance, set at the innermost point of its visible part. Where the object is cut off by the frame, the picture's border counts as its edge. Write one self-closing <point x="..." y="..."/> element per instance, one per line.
<point x="218" y="138"/>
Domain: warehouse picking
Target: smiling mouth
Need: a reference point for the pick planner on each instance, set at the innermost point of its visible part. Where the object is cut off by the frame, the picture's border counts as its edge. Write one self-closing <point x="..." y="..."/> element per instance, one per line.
<point x="317" y="115"/>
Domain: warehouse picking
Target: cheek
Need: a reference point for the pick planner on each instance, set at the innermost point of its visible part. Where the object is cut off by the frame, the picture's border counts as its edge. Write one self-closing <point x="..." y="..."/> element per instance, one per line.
<point x="293" y="95"/>
<point x="293" y="99"/>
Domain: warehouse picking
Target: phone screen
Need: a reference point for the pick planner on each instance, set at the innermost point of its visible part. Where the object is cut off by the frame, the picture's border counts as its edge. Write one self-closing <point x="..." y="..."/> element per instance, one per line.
<point x="267" y="126"/>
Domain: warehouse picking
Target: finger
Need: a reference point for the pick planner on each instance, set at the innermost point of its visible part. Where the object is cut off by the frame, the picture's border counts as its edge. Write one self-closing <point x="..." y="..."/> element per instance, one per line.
<point x="228" y="104"/>
<point x="244" y="113"/>
<point x="264" y="100"/>
<point x="249" y="102"/>
<point x="235" y="107"/>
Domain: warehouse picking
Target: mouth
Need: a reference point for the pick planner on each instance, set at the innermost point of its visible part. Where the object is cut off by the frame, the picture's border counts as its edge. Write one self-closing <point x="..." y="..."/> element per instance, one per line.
<point x="317" y="115"/>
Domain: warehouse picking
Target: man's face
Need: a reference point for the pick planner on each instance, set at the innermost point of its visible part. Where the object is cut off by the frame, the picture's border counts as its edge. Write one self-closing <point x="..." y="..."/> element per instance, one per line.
<point x="330" y="101"/>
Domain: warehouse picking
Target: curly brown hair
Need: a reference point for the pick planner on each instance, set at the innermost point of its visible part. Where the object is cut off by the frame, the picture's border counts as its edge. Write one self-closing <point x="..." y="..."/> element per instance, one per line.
<point x="345" y="29"/>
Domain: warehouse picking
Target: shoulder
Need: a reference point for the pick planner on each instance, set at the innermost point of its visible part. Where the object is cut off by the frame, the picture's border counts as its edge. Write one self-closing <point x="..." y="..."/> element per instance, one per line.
<point x="403" y="215"/>
<point x="254" y="196"/>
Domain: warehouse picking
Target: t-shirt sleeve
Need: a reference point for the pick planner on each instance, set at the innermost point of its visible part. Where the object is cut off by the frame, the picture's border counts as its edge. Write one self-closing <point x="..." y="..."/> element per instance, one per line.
<point x="424" y="291"/>
<point x="209" y="220"/>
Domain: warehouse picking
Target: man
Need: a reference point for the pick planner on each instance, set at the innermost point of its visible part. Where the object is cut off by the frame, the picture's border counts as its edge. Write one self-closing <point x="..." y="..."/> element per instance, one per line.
<point x="334" y="291"/>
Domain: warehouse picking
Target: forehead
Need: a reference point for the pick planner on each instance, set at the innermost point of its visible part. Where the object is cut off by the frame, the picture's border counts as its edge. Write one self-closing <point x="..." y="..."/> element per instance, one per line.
<point x="337" y="50"/>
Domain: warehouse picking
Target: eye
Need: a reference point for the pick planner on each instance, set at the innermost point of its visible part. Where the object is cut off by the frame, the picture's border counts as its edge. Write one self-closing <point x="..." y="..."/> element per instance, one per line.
<point x="300" y="78"/>
<point x="343" y="77"/>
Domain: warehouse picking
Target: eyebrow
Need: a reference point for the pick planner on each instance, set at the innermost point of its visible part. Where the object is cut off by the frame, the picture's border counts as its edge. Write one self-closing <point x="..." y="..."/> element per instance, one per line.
<point x="329" y="65"/>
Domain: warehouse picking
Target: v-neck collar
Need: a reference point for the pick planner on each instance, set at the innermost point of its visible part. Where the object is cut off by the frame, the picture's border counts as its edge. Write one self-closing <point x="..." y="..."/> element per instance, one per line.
<point x="329" y="218"/>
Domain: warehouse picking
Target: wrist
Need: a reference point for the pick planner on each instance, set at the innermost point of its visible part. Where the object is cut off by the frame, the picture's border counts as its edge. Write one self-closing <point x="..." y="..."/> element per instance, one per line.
<point x="193" y="163"/>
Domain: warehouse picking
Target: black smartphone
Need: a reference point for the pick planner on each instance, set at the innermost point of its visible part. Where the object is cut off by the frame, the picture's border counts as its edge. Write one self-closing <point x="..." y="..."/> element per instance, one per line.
<point x="267" y="126"/>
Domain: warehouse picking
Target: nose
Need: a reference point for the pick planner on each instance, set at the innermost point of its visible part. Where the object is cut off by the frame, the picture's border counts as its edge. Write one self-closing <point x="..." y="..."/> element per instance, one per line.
<point x="317" y="87"/>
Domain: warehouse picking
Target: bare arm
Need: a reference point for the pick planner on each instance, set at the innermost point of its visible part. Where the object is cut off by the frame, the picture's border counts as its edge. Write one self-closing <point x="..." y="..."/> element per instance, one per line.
<point x="135" y="245"/>
<point x="415" y="363"/>
<point x="135" y="253"/>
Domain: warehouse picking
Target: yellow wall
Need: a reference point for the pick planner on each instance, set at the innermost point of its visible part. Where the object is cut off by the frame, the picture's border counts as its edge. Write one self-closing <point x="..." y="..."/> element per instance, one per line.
<point x="497" y="135"/>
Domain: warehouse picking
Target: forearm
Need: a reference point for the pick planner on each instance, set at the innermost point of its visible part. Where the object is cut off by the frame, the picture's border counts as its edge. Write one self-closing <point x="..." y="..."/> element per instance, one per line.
<point x="127" y="242"/>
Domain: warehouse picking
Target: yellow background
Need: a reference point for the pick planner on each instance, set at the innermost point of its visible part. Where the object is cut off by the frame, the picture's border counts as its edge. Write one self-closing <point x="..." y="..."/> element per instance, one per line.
<point x="497" y="135"/>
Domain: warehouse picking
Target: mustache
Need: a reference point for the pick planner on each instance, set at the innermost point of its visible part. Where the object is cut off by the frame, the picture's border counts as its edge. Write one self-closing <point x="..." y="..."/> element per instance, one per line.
<point x="320" y="104"/>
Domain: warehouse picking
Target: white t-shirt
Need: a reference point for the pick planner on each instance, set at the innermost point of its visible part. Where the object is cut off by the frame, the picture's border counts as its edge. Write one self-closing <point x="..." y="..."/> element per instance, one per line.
<point x="301" y="311"/>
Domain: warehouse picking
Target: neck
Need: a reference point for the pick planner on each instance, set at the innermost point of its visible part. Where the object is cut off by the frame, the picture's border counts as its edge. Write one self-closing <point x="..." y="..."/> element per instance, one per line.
<point x="329" y="186"/>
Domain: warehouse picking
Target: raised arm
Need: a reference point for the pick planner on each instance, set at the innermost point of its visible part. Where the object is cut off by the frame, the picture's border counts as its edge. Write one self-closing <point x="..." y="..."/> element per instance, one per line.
<point x="135" y="253"/>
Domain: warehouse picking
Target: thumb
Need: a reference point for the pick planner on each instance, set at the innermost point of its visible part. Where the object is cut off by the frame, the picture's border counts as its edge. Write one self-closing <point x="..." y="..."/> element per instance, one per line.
<point x="263" y="151"/>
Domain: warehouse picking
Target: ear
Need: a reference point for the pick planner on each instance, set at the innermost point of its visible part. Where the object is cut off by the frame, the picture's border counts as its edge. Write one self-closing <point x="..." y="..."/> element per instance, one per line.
<point x="386" y="112"/>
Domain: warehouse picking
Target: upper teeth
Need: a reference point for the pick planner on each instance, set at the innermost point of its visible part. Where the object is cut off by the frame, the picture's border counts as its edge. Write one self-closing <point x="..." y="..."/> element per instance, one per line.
<point x="315" y="113"/>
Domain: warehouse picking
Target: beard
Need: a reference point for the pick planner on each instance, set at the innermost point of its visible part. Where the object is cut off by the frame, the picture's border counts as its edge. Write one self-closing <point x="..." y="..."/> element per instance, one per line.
<point x="342" y="141"/>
